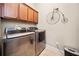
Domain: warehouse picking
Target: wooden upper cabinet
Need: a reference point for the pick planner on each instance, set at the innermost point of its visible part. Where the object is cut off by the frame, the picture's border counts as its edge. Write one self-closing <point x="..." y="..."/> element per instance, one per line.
<point x="18" y="11"/>
<point x="10" y="10"/>
<point x="30" y="14"/>
<point x="23" y="12"/>
<point x="35" y="17"/>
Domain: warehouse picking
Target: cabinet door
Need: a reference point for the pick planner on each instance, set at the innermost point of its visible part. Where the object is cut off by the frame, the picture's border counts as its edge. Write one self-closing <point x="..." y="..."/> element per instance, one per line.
<point x="23" y="12"/>
<point x="11" y="10"/>
<point x="1" y="10"/>
<point x="35" y="18"/>
<point x="30" y="14"/>
<point x="21" y="46"/>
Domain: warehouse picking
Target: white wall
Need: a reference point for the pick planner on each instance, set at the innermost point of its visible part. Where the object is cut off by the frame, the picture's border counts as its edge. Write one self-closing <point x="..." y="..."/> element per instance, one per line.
<point x="78" y="29"/>
<point x="64" y="34"/>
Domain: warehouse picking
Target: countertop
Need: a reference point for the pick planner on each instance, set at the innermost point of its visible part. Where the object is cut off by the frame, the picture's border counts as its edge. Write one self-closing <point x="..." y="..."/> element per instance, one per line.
<point x="39" y="30"/>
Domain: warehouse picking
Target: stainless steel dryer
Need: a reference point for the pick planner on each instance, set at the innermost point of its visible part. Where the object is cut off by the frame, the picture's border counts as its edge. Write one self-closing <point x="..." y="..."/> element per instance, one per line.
<point x="40" y="41"/>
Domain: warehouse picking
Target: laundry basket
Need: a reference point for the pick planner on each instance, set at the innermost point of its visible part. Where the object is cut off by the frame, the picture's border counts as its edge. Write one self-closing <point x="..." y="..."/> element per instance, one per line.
<point x="68" y="51"/>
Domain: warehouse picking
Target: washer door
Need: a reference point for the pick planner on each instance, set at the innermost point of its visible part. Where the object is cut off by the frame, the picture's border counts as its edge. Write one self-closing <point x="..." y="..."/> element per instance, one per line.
<point x="21" y="46"/>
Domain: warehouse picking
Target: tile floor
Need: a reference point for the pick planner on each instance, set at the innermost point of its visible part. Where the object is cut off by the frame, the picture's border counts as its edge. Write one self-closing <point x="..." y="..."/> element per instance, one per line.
<point x="50" y="51"/>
